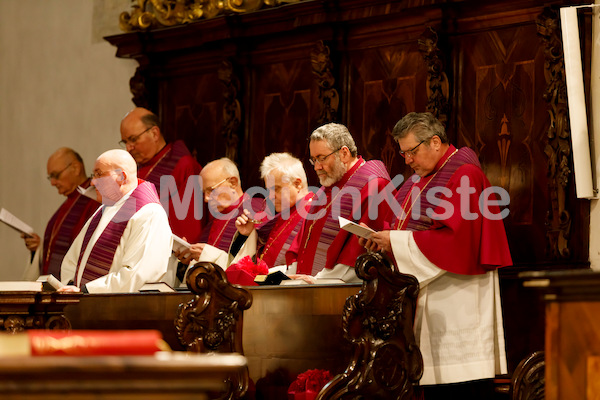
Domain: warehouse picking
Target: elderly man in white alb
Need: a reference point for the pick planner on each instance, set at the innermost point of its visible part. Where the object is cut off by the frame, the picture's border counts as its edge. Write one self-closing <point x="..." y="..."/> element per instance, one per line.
<point x="128" y="241"/>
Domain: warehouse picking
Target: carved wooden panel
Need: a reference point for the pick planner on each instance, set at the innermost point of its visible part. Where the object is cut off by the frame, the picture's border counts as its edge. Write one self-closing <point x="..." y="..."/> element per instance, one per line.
<point x="386" y="83"/>
<point x="192" y="111"/>
<point x="284" y="108"/>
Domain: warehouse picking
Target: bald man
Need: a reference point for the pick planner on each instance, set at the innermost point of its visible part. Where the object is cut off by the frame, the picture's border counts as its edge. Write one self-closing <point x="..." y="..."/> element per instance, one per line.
<point x="142" y="138"/>
<point x="66" y="171"/>
<point x="226" y="200"/>
<point x="128" y="241"/>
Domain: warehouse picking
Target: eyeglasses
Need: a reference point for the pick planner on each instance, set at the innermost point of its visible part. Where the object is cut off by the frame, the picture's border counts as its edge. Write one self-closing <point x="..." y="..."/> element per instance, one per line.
<point x="132" y="139"/>
<point x="210" y="189"/>
<point x="98" y="175"/>
<point x="56" y="175"/>
<point x="411" y="153"/>
<point x="321" y="159"/>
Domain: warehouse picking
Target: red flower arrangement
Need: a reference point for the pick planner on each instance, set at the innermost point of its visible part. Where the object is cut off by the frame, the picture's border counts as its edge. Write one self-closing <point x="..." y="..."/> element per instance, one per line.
<point x="308" y="384"/>
<point x="244" y="271"/>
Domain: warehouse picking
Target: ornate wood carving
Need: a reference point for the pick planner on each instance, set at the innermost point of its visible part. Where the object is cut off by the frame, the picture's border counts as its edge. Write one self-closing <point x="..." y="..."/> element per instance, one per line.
<point x="437" y="82"/>
<point x="322" y="69"/>
<point x="528" y="380"/>
<point x="20" y="311"/>
<point x="148" y="14"/>
<point x="137" y="86"/>
<point x="558" y="147"/>
<point x="378" y="322"/>
<point x="212" y="321"/>
<point x="232" y="110"/>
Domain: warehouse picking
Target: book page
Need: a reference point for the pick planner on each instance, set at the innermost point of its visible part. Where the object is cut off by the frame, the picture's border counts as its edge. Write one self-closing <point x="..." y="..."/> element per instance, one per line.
<point x="353" y="227"/>
<point x="179" y="244"/>
<point x="15" y="222"/>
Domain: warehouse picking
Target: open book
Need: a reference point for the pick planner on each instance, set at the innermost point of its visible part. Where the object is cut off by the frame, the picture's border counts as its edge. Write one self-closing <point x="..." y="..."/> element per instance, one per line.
<point x="15" y="222"/>
<point x="353" y="227"/>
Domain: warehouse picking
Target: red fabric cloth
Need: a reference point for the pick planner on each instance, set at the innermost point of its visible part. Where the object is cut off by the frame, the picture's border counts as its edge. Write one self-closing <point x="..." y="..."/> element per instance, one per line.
<point x="245" y="271"/>
<point x="175" y="160"/>
<point x="461" y="246"/>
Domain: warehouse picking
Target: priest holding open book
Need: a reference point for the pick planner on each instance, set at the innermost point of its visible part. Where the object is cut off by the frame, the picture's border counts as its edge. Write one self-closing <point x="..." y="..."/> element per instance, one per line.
<point x="127" y="242"/>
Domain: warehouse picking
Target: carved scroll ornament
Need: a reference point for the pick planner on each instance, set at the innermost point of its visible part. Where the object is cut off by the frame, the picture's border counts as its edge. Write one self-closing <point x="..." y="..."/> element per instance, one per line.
<point x="558" y="146"/>
<point x="437" y="81"/>
<point x="323" y="71"/>
<point x="378" y="322"/>
<point x="232" y="109"/>
<point x="150" y="14"/>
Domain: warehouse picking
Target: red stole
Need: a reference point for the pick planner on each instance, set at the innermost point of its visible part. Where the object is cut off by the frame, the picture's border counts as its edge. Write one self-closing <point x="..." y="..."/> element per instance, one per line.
<point x="101" y="257"/>
<point x="466" y="247"/>
<point x="63" y="228"/>
<point x="219" y="232"/>
<point x="282" y="234"/>
<point x="321" y="244"/>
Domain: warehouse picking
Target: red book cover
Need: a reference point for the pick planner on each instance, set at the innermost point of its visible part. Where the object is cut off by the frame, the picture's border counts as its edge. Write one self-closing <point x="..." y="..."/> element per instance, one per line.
<point x="95" y="342"/>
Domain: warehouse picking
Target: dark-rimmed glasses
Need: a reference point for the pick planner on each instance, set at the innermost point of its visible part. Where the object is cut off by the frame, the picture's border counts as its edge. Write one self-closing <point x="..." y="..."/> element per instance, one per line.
<point x="132" y="139"/>
<point x="411" y="153"/>
<point x="321" y="159"/>
<point x="56" y="175"/>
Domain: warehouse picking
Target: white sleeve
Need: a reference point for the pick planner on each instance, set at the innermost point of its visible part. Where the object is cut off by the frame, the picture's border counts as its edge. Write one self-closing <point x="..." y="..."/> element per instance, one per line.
<point x="143" y="254"/>
<point x="214" y="255"/>
<point x="247" y="249"/>
<point x="339" y="271"/>
<point x="410" y="260"/>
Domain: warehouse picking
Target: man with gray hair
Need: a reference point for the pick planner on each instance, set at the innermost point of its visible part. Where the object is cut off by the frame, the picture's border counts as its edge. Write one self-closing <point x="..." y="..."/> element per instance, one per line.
<point x="321" y="249"/>
<point x="127" y="242"/>
<point x="285" y="180"/>
<point x="449" y="234"/>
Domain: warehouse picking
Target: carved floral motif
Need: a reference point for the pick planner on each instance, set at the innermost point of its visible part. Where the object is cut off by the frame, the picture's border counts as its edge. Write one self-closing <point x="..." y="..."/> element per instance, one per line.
<point x="558" y="146"/>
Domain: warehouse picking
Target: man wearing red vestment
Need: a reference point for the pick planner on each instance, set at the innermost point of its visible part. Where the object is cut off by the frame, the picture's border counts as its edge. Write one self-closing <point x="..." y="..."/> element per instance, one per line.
<point x="286" y="182"/>
<point x="448" y="233"/>
<point x="321" y="249"/>
<point x="222" y="188"/>
<point x="65" y="172"/>
<point x="143" y="139"/>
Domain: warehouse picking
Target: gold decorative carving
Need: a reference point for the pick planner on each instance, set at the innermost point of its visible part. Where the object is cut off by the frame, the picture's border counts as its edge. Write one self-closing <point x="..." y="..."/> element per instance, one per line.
<point x="151" y="14"/>
<point x="558" y="146"/>
<point x="378" y="322"/>
<point x="437" y="81"/>
<point x="212" y="321"/>
<point x="232" y="109"/>
<point x="328" y="95"/>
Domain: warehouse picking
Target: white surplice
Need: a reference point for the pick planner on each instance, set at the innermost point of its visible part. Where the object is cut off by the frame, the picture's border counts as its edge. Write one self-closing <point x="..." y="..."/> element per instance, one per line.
<point x="142" y="255"/>
<point x="458" y="324"/>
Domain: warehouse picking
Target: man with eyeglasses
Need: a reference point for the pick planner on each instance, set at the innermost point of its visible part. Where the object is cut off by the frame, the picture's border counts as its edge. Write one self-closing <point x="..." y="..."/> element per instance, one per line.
<point x="141" y="136"/>
<point x="226" y="200"/>
<point x="321" y="249"/>
<point x="444" y="238"/>
<point x="66" y="171"/>
<point x="128" y="241"/>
